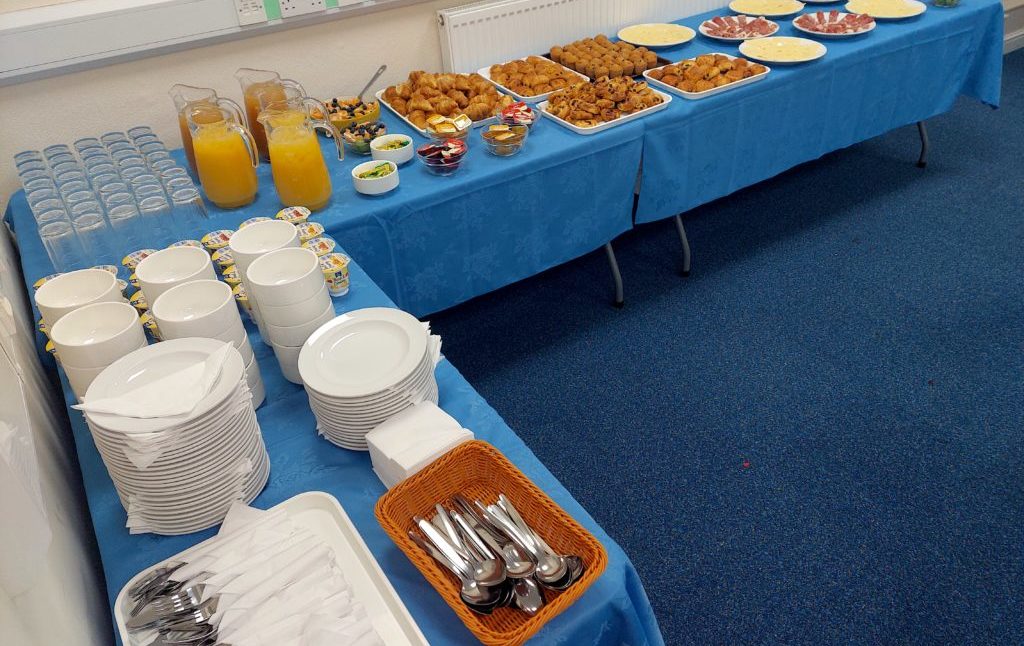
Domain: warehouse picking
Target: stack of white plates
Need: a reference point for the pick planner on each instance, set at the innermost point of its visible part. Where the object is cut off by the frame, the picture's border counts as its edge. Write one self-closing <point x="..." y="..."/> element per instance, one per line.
<point x="180" y="474"/>
<point x="364" y="367"/>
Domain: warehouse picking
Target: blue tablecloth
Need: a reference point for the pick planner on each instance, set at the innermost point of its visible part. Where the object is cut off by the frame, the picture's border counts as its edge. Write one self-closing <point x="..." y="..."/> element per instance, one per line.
<point x="900" y="73"/>
<point x="435" y="242"/>
<point x="615" y="610"/>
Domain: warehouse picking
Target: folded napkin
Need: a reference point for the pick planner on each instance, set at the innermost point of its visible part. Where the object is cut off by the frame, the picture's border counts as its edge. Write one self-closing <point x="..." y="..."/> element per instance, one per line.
<point x="172" y="395"/>
<point x="412" y="439"/>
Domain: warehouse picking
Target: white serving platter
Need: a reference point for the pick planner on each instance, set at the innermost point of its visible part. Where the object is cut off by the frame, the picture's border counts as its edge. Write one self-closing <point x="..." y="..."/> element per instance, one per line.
<point x="666" y="99"/>
<point x="917" y="7"/>
<point x="322" y="514"/>
<point x="706" y="93"/>
<point x="749" y="50"/>
<point x="703" y="32"/>
<point x="767" y="14"/>
<point x="537" y="98"/>
<point x="423" y="131"/>
<point x="687" y="35"/>
<point x="818" y="34"/>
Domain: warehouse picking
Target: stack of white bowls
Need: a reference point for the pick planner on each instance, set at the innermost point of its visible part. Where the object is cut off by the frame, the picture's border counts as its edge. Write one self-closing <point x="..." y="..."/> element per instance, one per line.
<point x="251" y="242"/>
<point x="92" y="337"/>
<point x="364" y="367"/>
<point x="178" y="473"/>
<point x="67" y="292"/>
<point x="206" y="308"/>
<point x="166" y="268"/>
<point x="294" y="302"/>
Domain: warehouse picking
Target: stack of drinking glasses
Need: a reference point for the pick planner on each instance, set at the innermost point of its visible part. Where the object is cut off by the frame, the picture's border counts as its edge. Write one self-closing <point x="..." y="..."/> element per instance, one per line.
<point x="120" y="192"/>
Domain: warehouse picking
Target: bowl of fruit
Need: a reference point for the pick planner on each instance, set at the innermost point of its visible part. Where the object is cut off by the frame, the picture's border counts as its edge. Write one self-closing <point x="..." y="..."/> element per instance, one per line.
<point x="518" y="114"/>
<point x="357" y="138"/>
<point x="345" y="112"/>
<point x="443" y="157"/>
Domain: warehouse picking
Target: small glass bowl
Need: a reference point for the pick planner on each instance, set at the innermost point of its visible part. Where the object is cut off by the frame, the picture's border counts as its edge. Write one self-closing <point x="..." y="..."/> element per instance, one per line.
<point x="508" y="147"/>
<point x="362" y="146"/>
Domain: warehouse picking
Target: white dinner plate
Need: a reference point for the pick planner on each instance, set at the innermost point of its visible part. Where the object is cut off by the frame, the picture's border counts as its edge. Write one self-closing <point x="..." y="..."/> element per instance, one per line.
<point x="772" y="50"/>
<point x="818" y="34"/>
<point x="656" y="35"/>
<point x="363" y="352"/>
<point x="887" y="9"/>
<point x="384" y="397"/>
<point x="705" y="33"/>
<point x="767" y="8"/>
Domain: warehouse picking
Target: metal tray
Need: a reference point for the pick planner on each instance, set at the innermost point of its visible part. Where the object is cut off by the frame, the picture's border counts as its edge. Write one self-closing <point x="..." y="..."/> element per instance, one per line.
<point x="422" y="131"/>
<point x="666" y="99"/>
<point x="537" y="98"/>
<point x="322" y="514"/>
<point x="661" y="61"/>
<point x="706" y="93"/>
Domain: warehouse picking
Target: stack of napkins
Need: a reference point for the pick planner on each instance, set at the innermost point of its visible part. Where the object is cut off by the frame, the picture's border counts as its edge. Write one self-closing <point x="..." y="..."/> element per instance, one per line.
<point x="412" y="439"/>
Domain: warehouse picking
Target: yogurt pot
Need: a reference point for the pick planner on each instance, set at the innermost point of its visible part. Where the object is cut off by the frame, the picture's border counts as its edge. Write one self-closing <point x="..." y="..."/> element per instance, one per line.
<point x="132" y="260"/>
<point x="238" y="291"/>
<point x="138" y="300"/>
<point x="149" y="324"/>
<point x="309" y="230"/>
<point x="133" y="280"/>
<point x="186" y="243"/>
<point x="294" y="214"/>
<point x="43" y="327"/>
<point x="42" y="281"/>
<point x="215" y="240"/>
<point x="122" y="284"/>
<point x="52" y="349"/>
<point x="111" y="268"/>
<point x="321" y="246"/>
<point x="335" y="268"/>
<point x="258" y="218"/>
<point x="231" y="276"/>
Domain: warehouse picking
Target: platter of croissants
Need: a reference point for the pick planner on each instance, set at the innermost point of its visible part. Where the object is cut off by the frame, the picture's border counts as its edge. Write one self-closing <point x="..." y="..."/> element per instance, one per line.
<point x="531" y="79"/>
<point x="591" y="107"/>
<point x="424" y="95"/>
<point x="706" y="75"/>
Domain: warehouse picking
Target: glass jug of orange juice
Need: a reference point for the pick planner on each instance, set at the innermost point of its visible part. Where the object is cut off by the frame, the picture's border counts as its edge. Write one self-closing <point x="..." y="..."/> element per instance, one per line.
<point x="268" y="85"/>
<point x="296" y="161"/>
<point x="226" y="158"/>
<point x="185" y="98"/>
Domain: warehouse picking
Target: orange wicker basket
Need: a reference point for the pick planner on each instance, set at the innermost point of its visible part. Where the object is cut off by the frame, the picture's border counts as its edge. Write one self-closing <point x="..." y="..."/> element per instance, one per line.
<point x="480" y="472"/>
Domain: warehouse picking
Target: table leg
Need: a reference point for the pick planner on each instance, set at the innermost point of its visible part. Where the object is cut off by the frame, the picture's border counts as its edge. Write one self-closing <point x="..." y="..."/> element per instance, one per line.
<point x="616" y="276"/>
<point x="686" y="246"/>
<point x="922" y="161"/>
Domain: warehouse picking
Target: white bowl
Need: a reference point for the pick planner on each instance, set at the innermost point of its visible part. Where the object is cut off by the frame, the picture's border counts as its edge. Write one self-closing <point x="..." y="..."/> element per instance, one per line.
<point x="285" y="276"/>
<point x="238" y="338"/>
<point x="97" y="335"/>
<point x="377" y="185"/>
<point x="72" y="290"/>
<point x="81" y="378"/>
<point x="399" y="156"/>
<point x="288" y="359"/>
<point x="258" y="238"/>
<point x="256" y="387"/>
<point x="297" y="313"/>
<point x="297" y="334"/>
<point x="202" y="308"/>
<point x="169" y="267"/>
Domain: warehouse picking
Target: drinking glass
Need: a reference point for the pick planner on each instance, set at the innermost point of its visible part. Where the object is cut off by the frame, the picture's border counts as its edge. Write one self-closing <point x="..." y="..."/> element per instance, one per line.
<point x="56" y="214"/>
<point x="29" y="175"/>
<point x="101" y="173"/>
<point x="38" y="183"/>
<point x="128" y="173"/>
<point x="101" y="182"/>
<point x="119" y="146"/>
<point x="97" y="160"/>
<point x="70" y="188"/>
<point x="142" y="180"/>
<point x="118" y="198"/>
<point x="139" y="131"/>
<point x="188" y="210"/>
<point x="161" y="165"/>
<point x="121" y="155"/>
<point x="94" y="234"/>
<point x="157" y="156"/>
<point x="155" y="219"/>
<point x="148" y="190"/>
<point x="147" y="139"/>
<point x="73" y="175"/>
<point x="124" y="221"/>
<point x="62" y="245"/>
<point x="172" y="173"/>
<point x="87" y="143"/>
<point x="178" y="183"/>
<point x="113" y="137"/>
<point x="52" y="208"/>
<point x="40" y="194"/>
<point x="26" y="156"/>
<point x="61" y="158"/>
<point x="152" y="146"/>
<point x="55" y="149"/>
<point x="113" y="188"/>
<point x="78" y="197"/>
<point x="31" y="166"/>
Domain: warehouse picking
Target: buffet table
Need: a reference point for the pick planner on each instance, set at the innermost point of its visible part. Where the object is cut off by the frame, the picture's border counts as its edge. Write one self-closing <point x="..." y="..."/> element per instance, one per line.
<point x="900" y="73"/>
<point x="615" y="610"/>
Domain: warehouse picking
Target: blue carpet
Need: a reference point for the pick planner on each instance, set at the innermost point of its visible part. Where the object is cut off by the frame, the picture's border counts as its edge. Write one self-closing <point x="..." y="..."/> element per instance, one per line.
<point x="817" y="437"/>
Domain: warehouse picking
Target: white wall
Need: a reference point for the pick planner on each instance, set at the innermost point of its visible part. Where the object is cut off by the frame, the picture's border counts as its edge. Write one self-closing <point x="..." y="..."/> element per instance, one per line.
<point x="330" y="59"/>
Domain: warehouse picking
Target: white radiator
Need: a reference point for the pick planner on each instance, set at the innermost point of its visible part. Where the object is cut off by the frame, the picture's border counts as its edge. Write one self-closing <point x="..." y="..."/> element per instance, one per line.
<point x="483" y="33"/>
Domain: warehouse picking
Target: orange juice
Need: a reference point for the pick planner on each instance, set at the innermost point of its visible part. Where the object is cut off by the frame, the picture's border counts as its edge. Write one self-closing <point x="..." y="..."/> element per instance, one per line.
<point x="224" y="165"/>
<point x="297" y="163"/>
<point x="201" y="115"/>
<point x="257" y="96"/>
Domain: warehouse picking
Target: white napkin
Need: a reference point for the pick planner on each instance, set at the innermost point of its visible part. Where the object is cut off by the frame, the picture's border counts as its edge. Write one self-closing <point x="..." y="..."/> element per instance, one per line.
<point x="412" y="439"/>
<point x="174" y="394"/>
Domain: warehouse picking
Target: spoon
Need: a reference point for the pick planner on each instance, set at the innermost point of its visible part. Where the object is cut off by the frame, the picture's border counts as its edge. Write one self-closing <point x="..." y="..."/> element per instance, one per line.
<point x="487" y="570"/>
<point x="517" y="563"/>
<point x="380" y="70"/>
<point x="528" y="596"/>
<point x="472" y="593"/>
<point x="550" y="567"/>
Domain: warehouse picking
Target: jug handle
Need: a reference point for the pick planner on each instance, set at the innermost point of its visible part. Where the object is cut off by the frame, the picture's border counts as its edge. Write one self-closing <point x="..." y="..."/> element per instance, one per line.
<point x="324" y="122"/>
<point x="233" y="108"/>
<point x="250" y="143"/>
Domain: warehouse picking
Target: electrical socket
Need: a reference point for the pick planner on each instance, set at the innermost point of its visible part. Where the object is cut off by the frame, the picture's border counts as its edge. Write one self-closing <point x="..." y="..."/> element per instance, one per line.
<point x="292" y="8"/>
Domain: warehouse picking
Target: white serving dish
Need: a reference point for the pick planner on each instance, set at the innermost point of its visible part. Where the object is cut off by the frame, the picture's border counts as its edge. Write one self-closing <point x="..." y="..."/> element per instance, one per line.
<point x="536" y="98"/>
<point x="72" y="290"/>
<point x="253" y="241"/>
<point x="918" y="8"/>
<point x="423" y="131"/>
<point x="706" y="93"/>
<point x="682" y="40"/>
<point x="748" y="49"/>
<point x="703" y="32"/>
<point x="375" y="185"/>
<point x="204" y="308"/>
<point x="173" y="266"/>
<point x="97" y="335"/>
<point x="323" y="515"/>
<point x="818" y="34"/>
<point x="666" y="99"/>
<point x="285" y="276"/>
<point x="766" y="14"/>
<point x="399" y="156"/>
